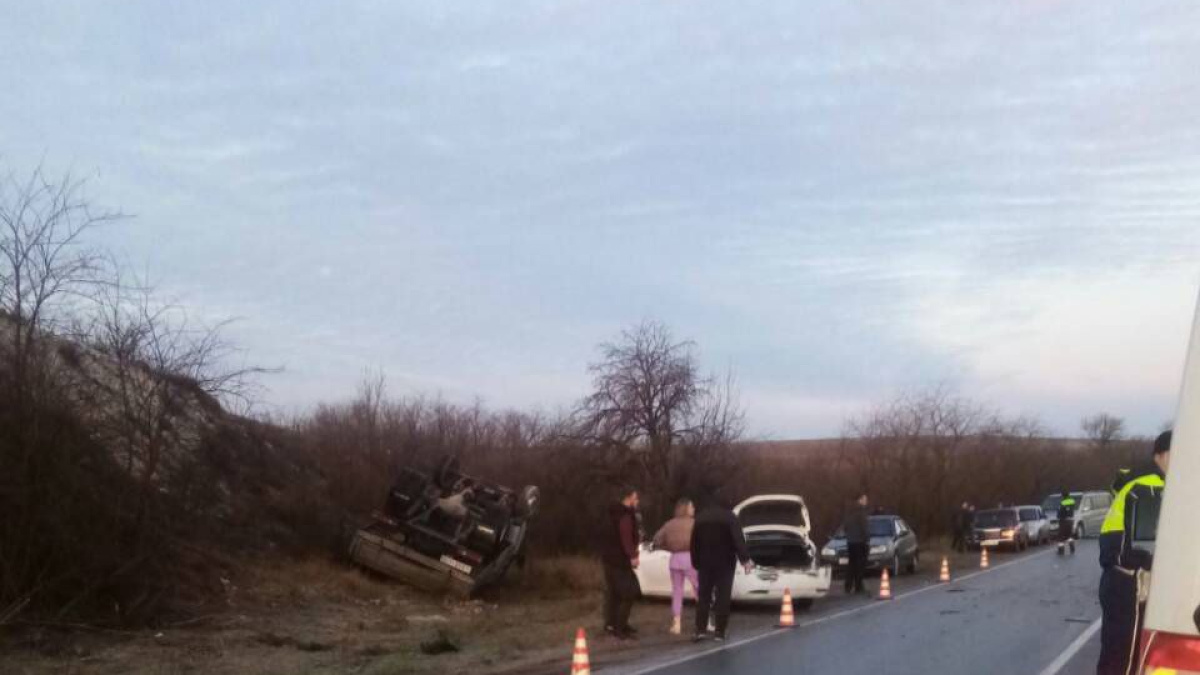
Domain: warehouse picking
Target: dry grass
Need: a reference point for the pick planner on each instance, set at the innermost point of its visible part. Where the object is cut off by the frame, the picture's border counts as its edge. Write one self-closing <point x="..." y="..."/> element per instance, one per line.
<point x="317" y="616"/>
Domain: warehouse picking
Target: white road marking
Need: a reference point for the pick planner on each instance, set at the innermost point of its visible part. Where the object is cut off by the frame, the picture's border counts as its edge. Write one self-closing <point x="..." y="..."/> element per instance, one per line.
<point x="1071" y="650"/>
<point x="837" y="615"/>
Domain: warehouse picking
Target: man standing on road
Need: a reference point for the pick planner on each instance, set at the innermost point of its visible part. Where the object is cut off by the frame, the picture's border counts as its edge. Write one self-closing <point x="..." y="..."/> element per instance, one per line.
<point x="619" y="553"/>
<point x="858" y="539"/>
<point x="1125" y="566"/>
<point x="1066" y="522"/>
<point x="960" y="526"/>
<point x="718" y="545"/>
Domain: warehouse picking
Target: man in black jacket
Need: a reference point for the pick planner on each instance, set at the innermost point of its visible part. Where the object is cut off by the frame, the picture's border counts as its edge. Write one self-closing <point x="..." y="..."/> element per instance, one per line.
<point x="718" y="545"/>
<point x="618" y="541"/>
<point x="959" y="525"/>
<point x="858" y="541"/>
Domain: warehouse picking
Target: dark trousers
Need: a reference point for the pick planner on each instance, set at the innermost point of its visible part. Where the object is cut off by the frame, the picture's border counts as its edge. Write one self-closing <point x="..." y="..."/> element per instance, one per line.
<point x="621" y="589"/>
<point x="716" y="589"/>
<point x="1121" y="619"/>
<point x="960" y="540"/>
<point x="857" y="568"/>
<point x="1066" y="530"/>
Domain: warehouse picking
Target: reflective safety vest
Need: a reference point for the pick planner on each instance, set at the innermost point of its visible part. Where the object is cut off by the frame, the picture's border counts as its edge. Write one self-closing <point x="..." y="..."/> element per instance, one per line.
<point x="1116" y="550"/>
<point x="1115" y="520"/>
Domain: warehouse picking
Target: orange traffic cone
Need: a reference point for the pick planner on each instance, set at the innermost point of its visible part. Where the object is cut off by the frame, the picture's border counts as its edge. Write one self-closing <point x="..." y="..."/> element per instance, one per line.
<point x="885" y="586"/>
<point x="945" y="575"/>
<point x="580" y="664"/>
<point x="983" y="559"/>
<point x="787" y="617"/>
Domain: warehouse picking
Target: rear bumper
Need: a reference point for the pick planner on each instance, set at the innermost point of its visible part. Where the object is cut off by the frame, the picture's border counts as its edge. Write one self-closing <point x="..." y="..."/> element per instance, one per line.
<point x="766" y="585"/>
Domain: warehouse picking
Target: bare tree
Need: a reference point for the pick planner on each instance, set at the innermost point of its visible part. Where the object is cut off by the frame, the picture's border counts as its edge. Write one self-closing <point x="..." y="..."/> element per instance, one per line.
<point x="156" y="364"/>
<point x="43" y="261"/>
<point x="653" y="415"/>
<point x="907" y="451"/>
<point x="1103" y="429"/>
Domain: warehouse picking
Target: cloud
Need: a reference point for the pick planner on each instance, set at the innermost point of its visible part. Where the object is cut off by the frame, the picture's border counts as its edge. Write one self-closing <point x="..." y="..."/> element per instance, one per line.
<point x="838" y="202"/>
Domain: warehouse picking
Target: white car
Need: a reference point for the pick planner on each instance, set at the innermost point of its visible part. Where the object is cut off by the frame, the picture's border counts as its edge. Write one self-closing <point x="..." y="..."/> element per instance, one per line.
<point x="776" y="528"/>
<point x="1035" y="524"/>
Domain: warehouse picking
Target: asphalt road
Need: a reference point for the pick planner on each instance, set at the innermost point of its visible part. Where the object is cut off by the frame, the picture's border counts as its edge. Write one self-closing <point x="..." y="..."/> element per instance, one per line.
<point x="1036" y="614"/>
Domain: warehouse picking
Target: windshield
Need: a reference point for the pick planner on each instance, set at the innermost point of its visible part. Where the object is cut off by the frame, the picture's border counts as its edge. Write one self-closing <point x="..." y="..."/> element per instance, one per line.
<point x="882" y="527"/>
<point x="879" y="527"/>
<point x="995" y="519"/>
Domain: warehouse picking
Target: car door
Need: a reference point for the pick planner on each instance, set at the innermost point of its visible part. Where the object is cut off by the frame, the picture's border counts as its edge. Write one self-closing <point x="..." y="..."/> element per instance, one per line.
<point x="1091" y="515"/>
<point x="906" y="541"/>
<point x="1100" y="503"/>
<point x="1029" y="522"/>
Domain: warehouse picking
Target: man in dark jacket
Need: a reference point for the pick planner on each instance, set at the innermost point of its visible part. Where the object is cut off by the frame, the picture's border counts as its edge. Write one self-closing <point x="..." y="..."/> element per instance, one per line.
<point x="619" y="552"/>
<point x="858" y="541"/>
<point x="1125" y="566"/>
<point x="1066" y="522"/>
<point x="718" y="545"/>
<point x="960" y="527"/>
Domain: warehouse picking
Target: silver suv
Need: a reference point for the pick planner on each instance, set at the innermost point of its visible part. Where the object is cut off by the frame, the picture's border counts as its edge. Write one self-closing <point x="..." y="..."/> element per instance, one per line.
<point x="1090" y="510"/>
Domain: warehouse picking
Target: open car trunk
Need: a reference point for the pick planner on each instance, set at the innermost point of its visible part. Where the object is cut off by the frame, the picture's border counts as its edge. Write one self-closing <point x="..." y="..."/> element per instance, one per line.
<point x="780" y="549"/>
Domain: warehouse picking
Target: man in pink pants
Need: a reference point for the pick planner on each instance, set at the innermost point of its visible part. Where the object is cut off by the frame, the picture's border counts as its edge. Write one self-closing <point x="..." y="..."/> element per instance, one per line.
<point x="676" y="538"/>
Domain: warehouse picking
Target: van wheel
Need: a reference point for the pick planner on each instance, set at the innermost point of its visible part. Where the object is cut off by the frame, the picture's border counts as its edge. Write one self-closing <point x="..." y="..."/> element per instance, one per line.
<point x="913" y="562"/>
<point x="1080" y="531"/>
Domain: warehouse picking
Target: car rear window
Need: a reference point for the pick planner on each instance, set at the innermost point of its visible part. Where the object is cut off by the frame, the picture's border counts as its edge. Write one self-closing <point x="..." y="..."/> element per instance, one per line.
<point x="995" y="518"/>
<point x="1029" y="514"/>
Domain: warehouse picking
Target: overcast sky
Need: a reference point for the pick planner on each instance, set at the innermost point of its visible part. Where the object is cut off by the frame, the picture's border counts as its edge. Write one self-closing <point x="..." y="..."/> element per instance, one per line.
<point x="837" y="200"/>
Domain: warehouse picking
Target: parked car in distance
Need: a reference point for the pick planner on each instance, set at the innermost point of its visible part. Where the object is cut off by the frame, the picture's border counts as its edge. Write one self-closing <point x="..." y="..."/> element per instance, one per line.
<point x="785" y="558"/>
<point x="995" y="528"/>
<point x="1035" y="524"/>
<point x="893" y="545"/>
<point x="1090" y="509"/>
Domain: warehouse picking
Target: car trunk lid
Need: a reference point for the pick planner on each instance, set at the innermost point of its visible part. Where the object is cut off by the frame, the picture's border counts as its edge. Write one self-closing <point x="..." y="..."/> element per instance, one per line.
<point x="786" y="511"/>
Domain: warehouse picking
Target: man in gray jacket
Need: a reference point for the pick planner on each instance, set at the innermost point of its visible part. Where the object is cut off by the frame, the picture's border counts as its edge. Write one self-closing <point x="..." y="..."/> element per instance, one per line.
<point x="858" y="542"/>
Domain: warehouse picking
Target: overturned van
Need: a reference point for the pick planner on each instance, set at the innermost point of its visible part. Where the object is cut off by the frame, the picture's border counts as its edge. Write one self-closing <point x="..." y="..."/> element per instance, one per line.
<point x="446" y="531"/>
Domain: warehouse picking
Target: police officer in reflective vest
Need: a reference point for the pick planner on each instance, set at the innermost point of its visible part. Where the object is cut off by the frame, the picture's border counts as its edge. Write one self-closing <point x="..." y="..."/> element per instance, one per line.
<point x="1066" y="522"/>
<point x="1122" y="613"/>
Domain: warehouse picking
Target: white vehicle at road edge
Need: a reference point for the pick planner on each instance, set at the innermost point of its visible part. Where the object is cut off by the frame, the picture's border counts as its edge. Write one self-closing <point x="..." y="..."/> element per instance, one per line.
<point x="777" y="534"/>
<point x="1171" y="633"/>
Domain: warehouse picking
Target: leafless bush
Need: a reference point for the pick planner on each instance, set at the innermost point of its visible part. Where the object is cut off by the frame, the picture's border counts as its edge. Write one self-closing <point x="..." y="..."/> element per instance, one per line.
<point x="92" y="372"/>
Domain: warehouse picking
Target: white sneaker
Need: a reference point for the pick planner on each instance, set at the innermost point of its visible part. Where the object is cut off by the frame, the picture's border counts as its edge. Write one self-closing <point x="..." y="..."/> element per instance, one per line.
<point x="676" y="628"/>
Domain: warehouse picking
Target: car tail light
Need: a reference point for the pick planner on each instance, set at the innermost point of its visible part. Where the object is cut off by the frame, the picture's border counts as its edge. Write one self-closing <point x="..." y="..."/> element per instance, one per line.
<point x="1170" y="654"/>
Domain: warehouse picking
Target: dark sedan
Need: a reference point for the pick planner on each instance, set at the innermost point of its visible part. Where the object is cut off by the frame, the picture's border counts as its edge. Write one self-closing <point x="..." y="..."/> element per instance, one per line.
<point x="893" y="545"/>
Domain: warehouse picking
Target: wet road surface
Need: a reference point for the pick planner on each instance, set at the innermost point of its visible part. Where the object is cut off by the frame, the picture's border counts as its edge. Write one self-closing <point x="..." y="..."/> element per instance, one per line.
<point x="1030" y="614"/>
